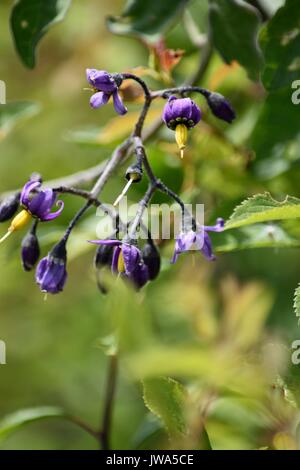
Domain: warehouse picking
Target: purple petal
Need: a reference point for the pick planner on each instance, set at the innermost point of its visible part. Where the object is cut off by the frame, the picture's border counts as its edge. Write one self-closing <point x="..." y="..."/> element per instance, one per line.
<point x="53" y="215"/>
<point x="132" y="256"/>
<point x="40" y="270"/>
<point x="118" y="103"/>
<point x="30" y="186"/>
<point x="115" y="260"/>
<point x="184" y="242"/>
<point x="35" y="204"/>
<point x="99" y="99"/>
<point x="101" y="80"/>
<point x="207" y="248"/>
<point x="219" y="227"/>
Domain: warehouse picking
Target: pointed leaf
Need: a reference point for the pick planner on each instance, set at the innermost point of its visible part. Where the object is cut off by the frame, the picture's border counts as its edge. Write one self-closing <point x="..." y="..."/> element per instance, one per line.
<point x="262" y="208"/>
<point x="146" y="18"/>
<point x="15" y="421"/>
<point x="234" y="25"/>
<point x="165" y="398"/>
<point x="30" y="20"/>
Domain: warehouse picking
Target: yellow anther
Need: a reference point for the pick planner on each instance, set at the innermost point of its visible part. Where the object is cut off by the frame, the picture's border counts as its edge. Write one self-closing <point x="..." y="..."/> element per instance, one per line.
<point x="17" y="223"/>
<point x="181" y="135"/>
<point x="121" y="264"/>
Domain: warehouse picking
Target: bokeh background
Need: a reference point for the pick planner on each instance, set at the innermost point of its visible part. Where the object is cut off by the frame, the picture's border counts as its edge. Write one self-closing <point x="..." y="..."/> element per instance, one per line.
<point x="244" y="301"/>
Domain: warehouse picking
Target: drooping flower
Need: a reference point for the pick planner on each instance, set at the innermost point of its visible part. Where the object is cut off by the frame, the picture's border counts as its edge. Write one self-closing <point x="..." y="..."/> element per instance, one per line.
<point x="198" y="240"/>
<point x="36" y="203"/>
<point x="181" y="114"/>
<point x="51" y="273"/>
<point x="127" y="261"/>
<point x="39" y="202"/>
<point x="105" y="86"/>
<point x="220" y="107"/>
<point x="30" y="250"/>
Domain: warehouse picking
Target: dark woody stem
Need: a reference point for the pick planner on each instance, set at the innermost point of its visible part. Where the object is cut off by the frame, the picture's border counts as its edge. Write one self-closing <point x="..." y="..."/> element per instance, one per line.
<point x="76" y="219"/>
<point x="180" y="90"/>
<point x="147" y="102"/>
<point x="104" y="433"/>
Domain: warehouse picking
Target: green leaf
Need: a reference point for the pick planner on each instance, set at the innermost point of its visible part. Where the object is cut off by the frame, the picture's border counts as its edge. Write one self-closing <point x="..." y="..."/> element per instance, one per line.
<point x="234" y="26"/>
<point x="12" y="113"/>
<point x="146" y="18"/>
<point x="15" y="421"/>
<point x="275" y="131"/>
<point x="165" y="398"/>
<point x="297" y="301"/>
<point x="30" y="20"/>
<point x="262" y="208"/>
<point x="280" y="41"/>
<point x="254" y="236"/>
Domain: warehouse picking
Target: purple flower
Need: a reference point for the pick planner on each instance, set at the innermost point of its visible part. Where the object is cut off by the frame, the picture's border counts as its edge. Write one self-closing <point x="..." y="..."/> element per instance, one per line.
<point x="39" y="202"/>
<point x="104" y="85"/>
<point x="51" y="273"/>
<point x="220" y="107"/>
<point x="181" y="111"/>
<point x="197" y="239"/>
<point x="30" y="251"/>
<point x="127" y="261"/>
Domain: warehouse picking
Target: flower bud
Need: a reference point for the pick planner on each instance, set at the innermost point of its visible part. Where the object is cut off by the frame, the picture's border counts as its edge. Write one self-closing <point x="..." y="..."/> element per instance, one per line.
<point x="30" y="252"/>
<point x="103" y="256"/>
<point x="134" y="173"/>
<point x="9" y="207"/>
<point x="220" y="107"/>
<point x="151" y="258"/>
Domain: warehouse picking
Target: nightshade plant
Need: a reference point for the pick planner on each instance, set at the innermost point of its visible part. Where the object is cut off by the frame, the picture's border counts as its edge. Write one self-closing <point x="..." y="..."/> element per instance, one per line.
<point x="179" y="114"/>
<point x="220" y="355"/>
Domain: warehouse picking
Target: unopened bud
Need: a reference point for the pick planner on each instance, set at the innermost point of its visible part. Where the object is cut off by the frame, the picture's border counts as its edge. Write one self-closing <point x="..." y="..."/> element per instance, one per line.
<point x="151" y="258"/>
<point x="9" y="207"/>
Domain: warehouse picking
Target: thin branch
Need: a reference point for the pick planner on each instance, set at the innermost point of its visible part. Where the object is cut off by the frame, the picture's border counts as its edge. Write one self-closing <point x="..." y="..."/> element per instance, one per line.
<point x="104" y="433"/>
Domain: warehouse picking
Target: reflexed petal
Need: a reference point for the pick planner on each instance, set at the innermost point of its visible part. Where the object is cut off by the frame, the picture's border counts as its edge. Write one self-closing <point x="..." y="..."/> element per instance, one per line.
<point x="53" y="215"/>
<point x="30" y="186"/>
<point x="99" y="99"/>
<point x="118" y="103"/>
<point x="219" y="227"/>
<point x="207" y="248"/>
<point x="184" y="242"/>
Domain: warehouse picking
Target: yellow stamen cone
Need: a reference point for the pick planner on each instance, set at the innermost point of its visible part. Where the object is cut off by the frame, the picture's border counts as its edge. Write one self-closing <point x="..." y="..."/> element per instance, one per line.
<point x="181" y="135"/>
<point x="121" y="264"/>
<point x="17" y="223"/>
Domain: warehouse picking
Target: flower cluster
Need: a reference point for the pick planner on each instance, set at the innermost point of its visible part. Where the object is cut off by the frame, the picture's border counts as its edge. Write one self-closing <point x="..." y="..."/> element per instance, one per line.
<point x="128" y="261"/>
<point x="136" y="264"/>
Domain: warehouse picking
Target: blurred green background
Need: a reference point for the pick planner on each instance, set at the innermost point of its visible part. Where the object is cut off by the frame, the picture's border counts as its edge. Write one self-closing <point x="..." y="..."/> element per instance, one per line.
<point x="53" y="352"/>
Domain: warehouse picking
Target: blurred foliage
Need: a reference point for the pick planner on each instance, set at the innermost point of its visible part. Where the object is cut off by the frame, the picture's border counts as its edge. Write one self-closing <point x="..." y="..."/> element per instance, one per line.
<point x="205" y="349"/>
